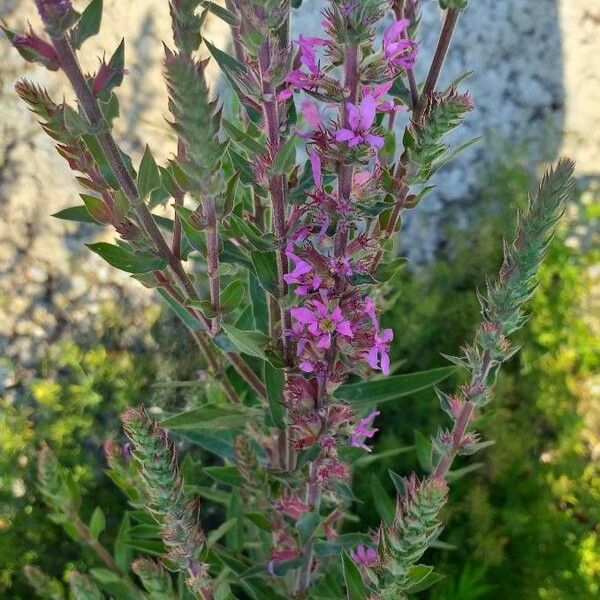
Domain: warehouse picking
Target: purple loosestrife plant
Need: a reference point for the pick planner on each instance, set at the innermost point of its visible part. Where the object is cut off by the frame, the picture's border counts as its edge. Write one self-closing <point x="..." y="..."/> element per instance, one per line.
<point x="288" y="202"/>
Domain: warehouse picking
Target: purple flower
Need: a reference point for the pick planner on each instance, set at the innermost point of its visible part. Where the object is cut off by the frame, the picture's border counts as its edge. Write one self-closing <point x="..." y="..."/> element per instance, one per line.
<point x="377" y="356"/>
<point x="379" y="92"/>
<point x="51" y="9"/>
<point x="308" y="55"/>
<point x="399" y="51"/>
<point x="303" y="275"/>
<point x="364" y="556"/>
<point x="308" y="58"/>
<point x="321" y="324"/>
<point x="360" y="121"/>
<point x="363" y="430"/>
<point x="341" y="266"/>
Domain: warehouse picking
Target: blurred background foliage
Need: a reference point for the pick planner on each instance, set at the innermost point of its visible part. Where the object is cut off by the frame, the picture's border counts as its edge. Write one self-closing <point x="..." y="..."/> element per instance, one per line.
<point x="527" y="520"/>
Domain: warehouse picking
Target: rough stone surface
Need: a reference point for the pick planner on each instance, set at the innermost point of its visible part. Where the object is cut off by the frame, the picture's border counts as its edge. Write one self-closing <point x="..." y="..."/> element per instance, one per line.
<point x="536" y="89"/>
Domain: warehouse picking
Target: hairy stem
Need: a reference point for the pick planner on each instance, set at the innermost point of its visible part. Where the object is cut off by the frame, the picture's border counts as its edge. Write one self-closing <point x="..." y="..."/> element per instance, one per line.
<point x="437" y="62"/>
<point x="463" y="420"/>
<point x="277" y="190"/>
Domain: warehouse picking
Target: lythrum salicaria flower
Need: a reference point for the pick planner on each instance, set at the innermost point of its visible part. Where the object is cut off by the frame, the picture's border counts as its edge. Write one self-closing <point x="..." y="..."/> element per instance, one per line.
<point x="364" y="430"/>
<point x="364" y="556"/>
<point x="360" y="122"/>
<point x="399" y="51"/>
<point x="378" y="357"/>
<point x="321" y="324"/>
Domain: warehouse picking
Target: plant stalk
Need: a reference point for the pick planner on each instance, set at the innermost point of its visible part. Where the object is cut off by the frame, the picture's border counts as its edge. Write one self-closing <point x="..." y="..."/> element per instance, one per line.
<point x="437" y="62"/>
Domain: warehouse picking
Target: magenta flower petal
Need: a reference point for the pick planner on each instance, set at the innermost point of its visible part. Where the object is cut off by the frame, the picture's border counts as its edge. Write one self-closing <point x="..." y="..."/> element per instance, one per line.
<point x="367" y="110"/>
<point x="345" y="329"/>
<point x="353" y="115"/>
<point x="344" y="135"/>
<point x="315" y="163"/>
<point x="303" y="315"/>
<point x="385" y="363"/>
<point x="393" y="31"/>
<point x="311" y="113"/>
<point x="376" y="141"/>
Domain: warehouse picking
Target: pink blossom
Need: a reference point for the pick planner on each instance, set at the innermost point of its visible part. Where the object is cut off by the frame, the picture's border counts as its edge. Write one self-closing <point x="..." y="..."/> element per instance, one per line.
<point x="303" y="275"/>
<point x="364" y="556"/>
<point x="399" y="51"/>
<point x="322" y="324"/>
<point x="280" y="556"/>
<point x="363" y="430"/>
<point x="315" y="164"/>
<point x="379" y="92"/>
<point x="377" y="356"/>
<point x="308" y="58"/>
<point x="341" y="266"/>
<point x="292" y="507"/>
<point x="330" y="469"/>
<point x="360" y="121"/>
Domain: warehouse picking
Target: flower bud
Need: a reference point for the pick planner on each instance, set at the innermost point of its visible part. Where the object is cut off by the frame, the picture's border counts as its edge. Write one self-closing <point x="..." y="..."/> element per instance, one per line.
<point x="58" y="16"/>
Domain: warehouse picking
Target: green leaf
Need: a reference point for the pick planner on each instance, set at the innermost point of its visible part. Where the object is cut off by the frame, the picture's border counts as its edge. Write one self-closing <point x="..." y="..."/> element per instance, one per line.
<point x="122" y="552"/>
<point x="216" y="534"/>
<point x="117" y="66"/>
<point x="247" y="342"/>
<point x="97" y="209"/>
<point x="259" y="301"/>
<point x="88" y="25"/>
<point x="220" y="12"/>
<point x="457" y="474"/>
<point x="386" y="507"/>
<point x="274" y="382"/>
<point x="234" y="71"/>
<point x="260" y="520"/>
<point x="386" y="271"/>
<point x="245" y="230"/>
<point x="285" y="158"/>
<point x="105" y="169"/>
<point x="243" y="139"/>
<point x="219" y="443"/>
<point x="307" y="526"/>
<point x="180" y="311"/>
<point x="420" y="578"/>
<point x="127" y="260"/>
<point x="232" y="296"/>
<point x="365" y="393"/>
<point x="355" y="586"/>
<point x="97" y="523"/>
<point x="113" y="584"/>
<point x="79" y="214"/>
<point x="212" y="418"/>
<point x="265" y="267"/>
<point x="424" y="450"/>
<point x="228" y="475"/>
<point x="335" y="546"/>
<point x="149" y="175"/>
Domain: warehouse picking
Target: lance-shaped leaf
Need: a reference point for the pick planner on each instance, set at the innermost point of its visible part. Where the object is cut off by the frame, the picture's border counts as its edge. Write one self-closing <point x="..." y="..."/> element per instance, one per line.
<point x="88" y="25"/>
<point x="128" y="260"/>
<point x="386" y="389"/>
<point x="355" y="586"/>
